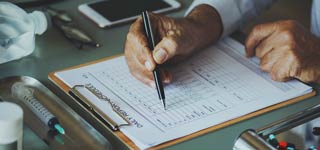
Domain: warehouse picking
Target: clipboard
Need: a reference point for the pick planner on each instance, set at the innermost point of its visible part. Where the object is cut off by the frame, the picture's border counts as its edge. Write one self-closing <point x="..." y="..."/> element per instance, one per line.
<point x="123" y="138"/>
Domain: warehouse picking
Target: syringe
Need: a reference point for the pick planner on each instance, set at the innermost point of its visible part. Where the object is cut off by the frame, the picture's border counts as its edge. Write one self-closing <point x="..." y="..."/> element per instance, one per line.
<point x="26" y="94"/>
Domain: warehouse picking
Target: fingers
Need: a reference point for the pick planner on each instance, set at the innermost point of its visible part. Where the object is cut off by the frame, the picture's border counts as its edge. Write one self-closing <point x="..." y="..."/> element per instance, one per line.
<point x="173" y="40"/>
<point x="138" y="44"/>
<point x="286" y="51"/>
<point x="139" y="57"/>
<point x="275" y="58"/>
<point x="137" y="69"/>
<point x="282" y="67"/>
<point x="137" y="26"/>
<point x="268" y="60"/>
<point x="264" y="47"/>
<point x="172" y="45"/>
<point x="280" y="63"/>
<point x="257" y="35"/>
<point x="165" y="50"/>
<point x="137" y="54"/>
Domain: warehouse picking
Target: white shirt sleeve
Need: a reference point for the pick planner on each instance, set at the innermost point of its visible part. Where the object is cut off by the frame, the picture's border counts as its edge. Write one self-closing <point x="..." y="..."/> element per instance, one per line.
<point x="234" y="13"/>
<point x="315" y="18"/>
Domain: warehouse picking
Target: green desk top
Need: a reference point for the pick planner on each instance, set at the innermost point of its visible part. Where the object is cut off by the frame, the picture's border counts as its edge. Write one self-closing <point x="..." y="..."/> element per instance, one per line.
<point x="54" y="52"/>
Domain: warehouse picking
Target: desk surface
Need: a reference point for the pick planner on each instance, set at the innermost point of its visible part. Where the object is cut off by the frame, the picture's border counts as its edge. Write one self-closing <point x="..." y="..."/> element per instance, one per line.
<point x="54" y="52"/>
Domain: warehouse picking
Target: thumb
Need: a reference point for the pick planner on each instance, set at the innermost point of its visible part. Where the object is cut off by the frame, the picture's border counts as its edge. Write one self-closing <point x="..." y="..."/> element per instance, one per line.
<point x="166" y="49"/>
<point x="257" y="35"/>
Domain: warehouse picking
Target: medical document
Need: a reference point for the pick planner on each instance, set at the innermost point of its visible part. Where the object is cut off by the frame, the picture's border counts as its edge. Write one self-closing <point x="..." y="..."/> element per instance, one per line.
<point x="216" y="85"/>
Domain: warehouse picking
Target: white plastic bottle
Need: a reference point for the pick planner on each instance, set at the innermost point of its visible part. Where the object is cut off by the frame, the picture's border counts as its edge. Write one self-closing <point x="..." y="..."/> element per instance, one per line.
<point x="11" y="126"/>
<point x="17" y="31"/>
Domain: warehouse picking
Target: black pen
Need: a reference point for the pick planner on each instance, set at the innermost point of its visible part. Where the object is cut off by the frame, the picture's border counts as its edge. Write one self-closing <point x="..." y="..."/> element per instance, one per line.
<point x="151" y="44"/>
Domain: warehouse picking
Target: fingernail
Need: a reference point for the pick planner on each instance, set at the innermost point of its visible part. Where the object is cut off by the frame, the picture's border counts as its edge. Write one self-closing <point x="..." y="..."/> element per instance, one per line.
<point x="148" y="65"/>
<point x="160" y="55"/>
<point x="166" y="77"/>
<point x="166" y="80"/>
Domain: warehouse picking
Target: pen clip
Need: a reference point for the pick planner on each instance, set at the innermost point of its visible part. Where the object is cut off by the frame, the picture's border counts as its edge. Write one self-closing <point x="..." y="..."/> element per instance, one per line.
<point x="105" y="119"/>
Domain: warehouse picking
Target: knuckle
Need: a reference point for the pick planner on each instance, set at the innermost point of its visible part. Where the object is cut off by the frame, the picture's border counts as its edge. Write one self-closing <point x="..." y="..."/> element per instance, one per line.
<point x="278" y="74"/>
<point x="137" y="40"/>
<point x="287" y="35"/>
<point x="142" y="58"/>
<point x="278" y="77"/>
<point x="172" y="44"/>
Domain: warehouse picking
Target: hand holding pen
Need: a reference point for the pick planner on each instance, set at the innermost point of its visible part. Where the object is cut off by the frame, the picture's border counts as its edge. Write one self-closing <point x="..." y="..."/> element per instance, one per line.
<point x="139" y="56"/>
<point x="176" y="38"/>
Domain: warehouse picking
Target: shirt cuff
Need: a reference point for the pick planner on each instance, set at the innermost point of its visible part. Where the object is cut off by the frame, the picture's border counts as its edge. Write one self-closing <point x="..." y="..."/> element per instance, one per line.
<point x="228" y="10"/>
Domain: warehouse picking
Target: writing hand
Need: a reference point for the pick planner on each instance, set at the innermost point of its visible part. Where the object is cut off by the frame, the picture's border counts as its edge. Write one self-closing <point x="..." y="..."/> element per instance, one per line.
<point x="287" y="50"/>
<point x="176" y="38"/>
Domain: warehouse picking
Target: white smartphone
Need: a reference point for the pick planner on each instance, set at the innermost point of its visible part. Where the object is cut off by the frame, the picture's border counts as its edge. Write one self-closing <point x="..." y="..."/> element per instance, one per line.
<point x="107" y="13"/>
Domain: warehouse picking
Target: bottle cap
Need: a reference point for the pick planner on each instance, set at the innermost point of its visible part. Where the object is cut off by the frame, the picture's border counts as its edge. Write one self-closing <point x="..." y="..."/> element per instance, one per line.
<point x="40" y="22"/>
<point x="11" y="122"/>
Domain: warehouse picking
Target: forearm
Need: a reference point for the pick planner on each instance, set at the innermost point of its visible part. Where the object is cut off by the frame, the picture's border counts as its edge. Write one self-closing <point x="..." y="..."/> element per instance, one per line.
<point x="207" y="24"/>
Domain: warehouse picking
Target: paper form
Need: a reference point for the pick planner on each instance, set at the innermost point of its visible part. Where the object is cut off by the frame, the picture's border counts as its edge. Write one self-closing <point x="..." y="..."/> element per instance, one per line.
<point x="214" y="86"/>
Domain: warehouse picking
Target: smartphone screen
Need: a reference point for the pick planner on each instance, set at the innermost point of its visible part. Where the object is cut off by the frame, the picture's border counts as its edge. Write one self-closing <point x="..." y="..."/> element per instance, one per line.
<point x="115" y="10"/>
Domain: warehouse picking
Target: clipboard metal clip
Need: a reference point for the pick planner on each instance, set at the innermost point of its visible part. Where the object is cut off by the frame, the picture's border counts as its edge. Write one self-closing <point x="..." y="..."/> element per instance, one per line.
<point x="74" y="92"/>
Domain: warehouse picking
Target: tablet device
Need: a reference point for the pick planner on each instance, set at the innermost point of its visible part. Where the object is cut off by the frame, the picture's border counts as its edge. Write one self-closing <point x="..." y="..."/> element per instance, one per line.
<point x="112" y="12"/>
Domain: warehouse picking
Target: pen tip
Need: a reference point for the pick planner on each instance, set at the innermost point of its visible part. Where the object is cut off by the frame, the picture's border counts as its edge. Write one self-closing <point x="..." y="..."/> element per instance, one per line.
<point x="164" y="104"/>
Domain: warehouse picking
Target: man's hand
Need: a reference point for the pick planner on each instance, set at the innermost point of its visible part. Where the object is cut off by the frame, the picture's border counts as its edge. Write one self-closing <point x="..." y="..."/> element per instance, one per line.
<point x="176" y="38"/>
<point x="286" y="51"/>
